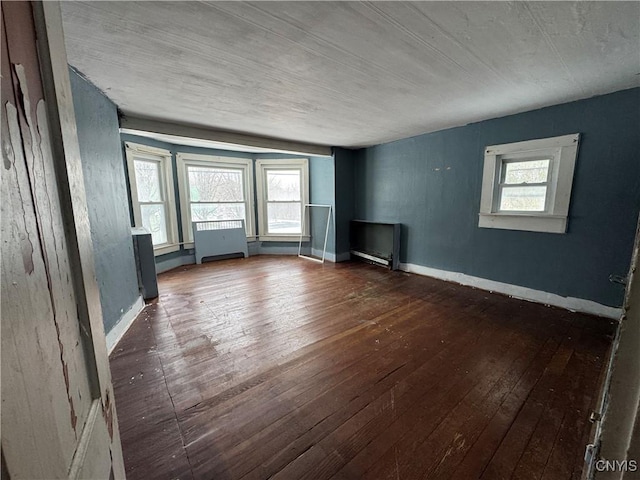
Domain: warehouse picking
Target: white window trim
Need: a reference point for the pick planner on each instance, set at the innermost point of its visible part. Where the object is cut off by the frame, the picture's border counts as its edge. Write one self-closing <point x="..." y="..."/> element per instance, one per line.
<point x="264" y="164"/>
<point x="563" y="151"/>
<point x="136" y="151"/>
<point x="186" y="159"/>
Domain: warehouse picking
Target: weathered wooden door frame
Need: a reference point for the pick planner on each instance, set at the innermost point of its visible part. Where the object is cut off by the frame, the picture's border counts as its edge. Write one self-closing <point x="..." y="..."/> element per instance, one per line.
<point x="67" y="166"/>
<point x="617" y="417"/>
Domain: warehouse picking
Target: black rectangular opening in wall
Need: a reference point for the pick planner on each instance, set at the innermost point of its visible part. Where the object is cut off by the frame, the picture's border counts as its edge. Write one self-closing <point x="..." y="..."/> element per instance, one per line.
<point x="376" y="242"/>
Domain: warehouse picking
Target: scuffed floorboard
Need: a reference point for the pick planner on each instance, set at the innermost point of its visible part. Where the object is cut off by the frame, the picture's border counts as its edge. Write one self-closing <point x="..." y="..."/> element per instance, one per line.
<point x="279" y="368"/>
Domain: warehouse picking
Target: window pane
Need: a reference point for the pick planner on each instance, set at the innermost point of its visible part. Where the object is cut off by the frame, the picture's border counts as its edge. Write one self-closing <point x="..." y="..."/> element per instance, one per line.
<point x="283" y="185"/>
<point x="532" y="171"/>
<point x="148" y="181"/>
<point x="284" y="217"/>
<point x="211" y="184"/>
<point x="154" y="220"/>
<point x="217" y="211"/>
<point x="523" y="199"/>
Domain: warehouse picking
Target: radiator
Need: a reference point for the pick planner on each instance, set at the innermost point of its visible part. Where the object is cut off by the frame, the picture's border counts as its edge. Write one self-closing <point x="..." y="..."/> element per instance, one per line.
<point x="219" y="237"/>
<point x="376" y="242"/>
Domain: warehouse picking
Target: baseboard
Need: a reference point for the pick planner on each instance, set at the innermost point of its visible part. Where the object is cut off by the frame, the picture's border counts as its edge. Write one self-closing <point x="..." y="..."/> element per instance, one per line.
<point x="523" y="293"/>
<point x="329" y="257"/>
<point x="120" y="328"/>
<point x="255" y="248"/>
<point x="343" y="257"/>
<point x="278" y="250"/>
<point x="166" y="265"/>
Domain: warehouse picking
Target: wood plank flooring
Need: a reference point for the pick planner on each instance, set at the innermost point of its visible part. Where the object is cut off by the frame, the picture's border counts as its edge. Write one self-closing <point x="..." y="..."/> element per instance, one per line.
<point x="277" y="367"/>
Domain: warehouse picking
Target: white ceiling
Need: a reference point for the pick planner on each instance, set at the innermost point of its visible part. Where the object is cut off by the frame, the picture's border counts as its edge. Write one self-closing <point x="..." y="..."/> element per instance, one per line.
<point x="346" y="73"/>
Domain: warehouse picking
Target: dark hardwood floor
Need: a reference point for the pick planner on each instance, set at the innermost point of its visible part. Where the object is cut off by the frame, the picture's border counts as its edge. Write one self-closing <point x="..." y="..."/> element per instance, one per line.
<point x="277" y="367"/>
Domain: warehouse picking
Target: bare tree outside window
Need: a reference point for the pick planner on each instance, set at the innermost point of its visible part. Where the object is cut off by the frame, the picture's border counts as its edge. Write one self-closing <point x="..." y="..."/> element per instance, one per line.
<point x="216" y="193"/>
<point x="150" y="198"/>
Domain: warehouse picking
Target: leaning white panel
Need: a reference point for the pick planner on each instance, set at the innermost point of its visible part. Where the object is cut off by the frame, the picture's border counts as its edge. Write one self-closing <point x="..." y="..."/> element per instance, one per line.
<point x="326" y="234"/>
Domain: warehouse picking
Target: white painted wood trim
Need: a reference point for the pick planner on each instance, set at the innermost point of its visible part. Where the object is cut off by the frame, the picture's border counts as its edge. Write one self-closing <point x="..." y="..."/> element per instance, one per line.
<point x="183" y="160"/>
<point x="533" y="145"/>
<point x="164" y="249"/>
<point x="142" y="149"/>
<point x="85" y="453"/>
<point x="120" y="328"/>
<point x="263" y="164"/>
<point x="168" y="128"/>
<point x="563" y="152"/>
<point x="533" y="223"/>
<point x="134" y="151"/>
<point x="283" y="238"/>
<point x="215" y="159"/>
<point x="106" y="447"/>
<point x="366" y="256"/>
<point x="516" y="291"/>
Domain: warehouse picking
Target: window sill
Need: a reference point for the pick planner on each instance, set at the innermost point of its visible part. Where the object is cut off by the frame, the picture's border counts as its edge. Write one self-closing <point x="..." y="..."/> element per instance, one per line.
<point x="525" y="222"/>
<point x="283" y="238"/>
<point x="191" y="245"/>
<point x="163" y="250"/>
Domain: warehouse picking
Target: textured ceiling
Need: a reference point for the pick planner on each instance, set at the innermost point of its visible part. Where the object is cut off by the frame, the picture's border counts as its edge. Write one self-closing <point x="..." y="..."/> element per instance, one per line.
<point x="346" y="73"/>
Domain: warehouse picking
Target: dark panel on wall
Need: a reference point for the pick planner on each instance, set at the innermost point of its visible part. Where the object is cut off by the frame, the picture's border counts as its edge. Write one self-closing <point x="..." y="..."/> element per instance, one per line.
<point x="432" y="185"/>
<point x="345" y="199"/>
<point x="107" y="199"/>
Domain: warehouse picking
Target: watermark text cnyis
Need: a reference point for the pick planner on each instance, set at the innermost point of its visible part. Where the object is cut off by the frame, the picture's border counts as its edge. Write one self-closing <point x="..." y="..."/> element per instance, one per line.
<point x="616" y="465"/>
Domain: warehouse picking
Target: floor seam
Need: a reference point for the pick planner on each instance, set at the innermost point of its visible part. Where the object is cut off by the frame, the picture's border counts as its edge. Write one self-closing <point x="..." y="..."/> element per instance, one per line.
<point x="173" y="405"/>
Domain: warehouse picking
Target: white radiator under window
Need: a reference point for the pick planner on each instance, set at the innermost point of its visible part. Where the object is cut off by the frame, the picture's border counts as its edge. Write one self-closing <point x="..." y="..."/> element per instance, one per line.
<point x="219" y="237"/>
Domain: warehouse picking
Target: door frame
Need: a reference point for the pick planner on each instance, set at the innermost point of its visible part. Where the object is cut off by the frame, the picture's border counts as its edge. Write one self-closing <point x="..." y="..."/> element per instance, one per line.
<point x="98" y="447"/>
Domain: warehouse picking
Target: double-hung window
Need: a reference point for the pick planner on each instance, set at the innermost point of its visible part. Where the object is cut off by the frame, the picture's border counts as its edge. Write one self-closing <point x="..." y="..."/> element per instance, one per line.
<point x="283" y="191"/>
<point x="214" y="188"/>
<point x="152" y="195"/>
<point x="527" y="185"/>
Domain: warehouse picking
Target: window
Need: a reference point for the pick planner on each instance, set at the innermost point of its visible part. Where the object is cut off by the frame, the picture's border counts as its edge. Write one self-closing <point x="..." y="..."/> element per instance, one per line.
<point x="152" y="195"/>
<point x="527" y="185"/>
<point x="214" y="188"/>
<point x="283" y="190"/>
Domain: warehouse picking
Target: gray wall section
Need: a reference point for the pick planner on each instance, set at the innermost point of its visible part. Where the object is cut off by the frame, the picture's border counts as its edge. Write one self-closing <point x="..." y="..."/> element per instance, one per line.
<point x="432" y="185"/>
<point x="322" y="192"/>
<point x="104" y="179"/>
<point x="345" y="199"/>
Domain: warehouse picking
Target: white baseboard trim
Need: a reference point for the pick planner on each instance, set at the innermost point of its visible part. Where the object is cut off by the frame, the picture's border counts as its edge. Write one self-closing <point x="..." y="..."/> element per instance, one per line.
<point x="120" y="328"/>
<point x="523" y="293"/>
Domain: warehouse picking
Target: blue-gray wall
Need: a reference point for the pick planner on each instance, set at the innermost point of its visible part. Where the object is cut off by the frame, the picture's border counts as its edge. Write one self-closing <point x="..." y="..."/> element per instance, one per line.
<point x="104" y="178"/>
<point x="344" y="197"/>
<point x="321" y="190"/>
<point x="432" y="184"/>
